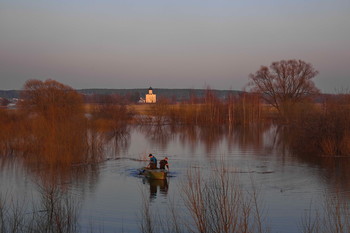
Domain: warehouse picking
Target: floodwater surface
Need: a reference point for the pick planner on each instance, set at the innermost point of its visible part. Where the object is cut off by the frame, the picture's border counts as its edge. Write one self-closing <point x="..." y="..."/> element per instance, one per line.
<point x="111" y="193"/>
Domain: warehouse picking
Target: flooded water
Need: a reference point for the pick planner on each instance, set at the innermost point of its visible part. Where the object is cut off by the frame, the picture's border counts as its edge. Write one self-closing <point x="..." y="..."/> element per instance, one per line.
<point x="111" y="193"/>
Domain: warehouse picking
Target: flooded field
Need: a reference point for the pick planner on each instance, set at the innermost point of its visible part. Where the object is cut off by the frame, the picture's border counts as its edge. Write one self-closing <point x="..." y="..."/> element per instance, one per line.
<point x="110" y="195"/>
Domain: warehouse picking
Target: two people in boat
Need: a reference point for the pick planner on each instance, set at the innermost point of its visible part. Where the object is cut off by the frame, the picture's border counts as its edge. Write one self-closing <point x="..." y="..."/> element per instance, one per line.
<point x="153" y="162"/>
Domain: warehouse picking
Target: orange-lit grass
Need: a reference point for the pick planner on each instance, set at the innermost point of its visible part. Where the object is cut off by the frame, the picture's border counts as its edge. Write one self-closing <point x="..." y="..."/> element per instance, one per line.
<point x="245" y="109"/>
<point x="57" y="211"/>
<point x="324" y="130"/>
<point x="214" y="202"/>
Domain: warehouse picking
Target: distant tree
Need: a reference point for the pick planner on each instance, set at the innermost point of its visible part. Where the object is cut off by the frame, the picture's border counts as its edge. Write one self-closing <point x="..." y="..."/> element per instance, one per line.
<point x="132" y="97"/>
<point x="4" y="101"/>
<point x="56" y="121"/>
<point x="50" y="99"/>
<point x="285" y="83"/>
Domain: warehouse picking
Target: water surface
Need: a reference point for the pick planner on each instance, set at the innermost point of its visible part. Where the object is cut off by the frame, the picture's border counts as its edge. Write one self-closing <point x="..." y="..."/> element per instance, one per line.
<point x="111" y="192"/>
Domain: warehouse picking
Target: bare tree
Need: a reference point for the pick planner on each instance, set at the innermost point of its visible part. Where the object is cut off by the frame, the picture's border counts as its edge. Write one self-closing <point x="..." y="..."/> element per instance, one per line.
<point x="285" y="83"/>
<point x="57" y="127"/>
<point x="50" y="99"/>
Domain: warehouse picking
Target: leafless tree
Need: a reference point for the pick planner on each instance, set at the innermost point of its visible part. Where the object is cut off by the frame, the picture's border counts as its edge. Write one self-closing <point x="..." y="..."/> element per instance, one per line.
<point x="285" y="83"/>
<point x="50" y="99"/>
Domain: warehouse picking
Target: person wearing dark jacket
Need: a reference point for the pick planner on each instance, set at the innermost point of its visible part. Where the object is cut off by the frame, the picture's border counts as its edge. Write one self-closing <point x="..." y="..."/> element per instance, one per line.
<point x="164" y="163"/>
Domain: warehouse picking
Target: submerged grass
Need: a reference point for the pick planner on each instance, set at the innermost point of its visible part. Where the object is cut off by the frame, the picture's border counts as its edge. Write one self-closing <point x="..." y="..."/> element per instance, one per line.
<point x="334" y="217"/>
<point x="215" y="202"/>
<point x="56" y="212"/>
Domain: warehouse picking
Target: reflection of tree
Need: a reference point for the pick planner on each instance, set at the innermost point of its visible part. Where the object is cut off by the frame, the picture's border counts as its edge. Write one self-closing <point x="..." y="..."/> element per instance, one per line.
<point x="211" y="137"/>
<point x="110" y="123"/>
<point x="244" y="137"/>
<point x="333" y="170"/>
<point x="158" y="135"/>
<point x="336" y="173"/>
<point x="119" y="141"/>
<point x="52" y="138"/>
<point x="251" y="138"/>
<point x="247" y="138"/>
<point x="189" y="136"/>
<point x="55" y="211"/>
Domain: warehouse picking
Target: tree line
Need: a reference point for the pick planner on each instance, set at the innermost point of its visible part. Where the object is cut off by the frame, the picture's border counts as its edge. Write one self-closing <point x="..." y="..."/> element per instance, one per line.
<point x="283" y="93"/>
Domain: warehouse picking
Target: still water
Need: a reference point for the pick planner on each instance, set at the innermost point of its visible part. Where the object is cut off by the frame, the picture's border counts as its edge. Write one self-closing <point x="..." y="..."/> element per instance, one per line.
<point x="111" y="193"/>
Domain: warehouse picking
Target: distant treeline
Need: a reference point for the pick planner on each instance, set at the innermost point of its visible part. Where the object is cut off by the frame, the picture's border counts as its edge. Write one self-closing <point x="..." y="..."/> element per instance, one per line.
<point x="136" y="93"/>
<point x="133" y="95"/>
<point x="10" y="94"/>
<point x="315" y="125"/>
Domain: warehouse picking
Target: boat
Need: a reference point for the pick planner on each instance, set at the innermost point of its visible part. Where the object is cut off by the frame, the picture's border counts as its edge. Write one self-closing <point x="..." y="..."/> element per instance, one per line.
<point x="156" y="174"/>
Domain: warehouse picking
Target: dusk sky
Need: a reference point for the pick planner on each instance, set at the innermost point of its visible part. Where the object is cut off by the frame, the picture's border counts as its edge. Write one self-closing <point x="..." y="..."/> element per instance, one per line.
<point x="170" y="43"/>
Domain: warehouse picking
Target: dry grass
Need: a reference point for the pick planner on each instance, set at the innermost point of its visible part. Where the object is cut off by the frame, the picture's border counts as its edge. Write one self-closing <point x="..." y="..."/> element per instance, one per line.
<point x="56" y="212"/>
<point x="245" y="109"/>
<point x="215" y="203"/>
<point x="334" y="217"/>
<point x="324" y="130"/>
<point x="141" y="109"/>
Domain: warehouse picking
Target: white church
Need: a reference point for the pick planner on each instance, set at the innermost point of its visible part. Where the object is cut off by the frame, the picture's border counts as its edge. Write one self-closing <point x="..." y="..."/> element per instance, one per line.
<point x="150" y="97"/>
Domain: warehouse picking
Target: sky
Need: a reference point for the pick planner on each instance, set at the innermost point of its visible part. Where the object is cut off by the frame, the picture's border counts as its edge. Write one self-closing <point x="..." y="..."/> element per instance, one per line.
<point x="170" y="43"/>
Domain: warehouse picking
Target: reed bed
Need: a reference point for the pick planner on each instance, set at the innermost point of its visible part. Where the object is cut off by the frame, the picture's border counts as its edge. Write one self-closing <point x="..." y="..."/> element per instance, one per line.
<point x="324" y="130"/>
<point x="333" y="217"/>
<point x="55" y="212"/>
<point x="244" y="109"/>
<point x="215" y="202"/>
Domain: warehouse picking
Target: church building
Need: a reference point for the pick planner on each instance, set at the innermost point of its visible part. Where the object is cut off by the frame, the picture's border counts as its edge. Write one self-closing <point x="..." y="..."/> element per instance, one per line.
<point x="150" y="97"/>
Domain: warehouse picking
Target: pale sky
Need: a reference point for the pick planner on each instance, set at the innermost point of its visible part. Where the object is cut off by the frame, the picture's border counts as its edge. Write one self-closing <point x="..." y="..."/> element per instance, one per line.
<point x="170" y="43"/>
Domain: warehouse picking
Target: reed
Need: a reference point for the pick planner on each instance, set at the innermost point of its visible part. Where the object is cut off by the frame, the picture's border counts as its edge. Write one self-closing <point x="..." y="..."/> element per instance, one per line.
<point x="147" y="219"/>
<point x="111" y="118"/>
<point x="56" y="212"/>
<point x="218" y="203"/>
<point x="244" y="109"/>
<point x="325" y="129"/>
<point x="333" y="217"/>
<point x="214" y="202"/>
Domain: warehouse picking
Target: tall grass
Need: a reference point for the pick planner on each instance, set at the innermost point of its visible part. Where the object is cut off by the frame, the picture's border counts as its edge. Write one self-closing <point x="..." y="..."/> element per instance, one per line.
<point x="109" y="123"/>
<point x="324" y="130"/>
<point x="244" y="109"/>
<point x="214" y="202"/>
<point x="334" y="217"/>
<point x="312" y="128"/>
<point x="111" y="118"/>
<point x="56" y="212"/>
<point x="49" y="131"/>
<point x="13" y="132"/>
<point x="219" y="204"/>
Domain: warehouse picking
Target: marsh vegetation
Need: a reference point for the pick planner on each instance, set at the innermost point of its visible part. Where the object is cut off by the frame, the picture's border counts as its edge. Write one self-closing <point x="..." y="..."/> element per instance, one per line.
<point x="61" y="140"/>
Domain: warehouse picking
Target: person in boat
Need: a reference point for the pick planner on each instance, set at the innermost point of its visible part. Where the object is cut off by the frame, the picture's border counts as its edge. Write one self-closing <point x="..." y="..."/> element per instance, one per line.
<point x="164" y="163"/>
<point x="152" y="162"/>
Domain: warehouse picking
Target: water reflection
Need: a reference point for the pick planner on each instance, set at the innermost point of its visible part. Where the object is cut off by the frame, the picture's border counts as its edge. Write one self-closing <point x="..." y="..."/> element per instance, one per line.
<point x="156" y="185"/>
<point x="90" y="171"/>
<point x="246" y="138"/>
<point x="333" y="171"/>
<point x="157" y="135"/>
<point x="117" y="142"/>
<point x="60" y="161"/>
<point x="75" y="159"/>
<point x="259" y="140"/>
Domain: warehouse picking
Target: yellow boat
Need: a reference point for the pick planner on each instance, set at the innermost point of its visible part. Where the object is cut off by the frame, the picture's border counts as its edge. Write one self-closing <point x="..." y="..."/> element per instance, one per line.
<point x="156" y="174"/>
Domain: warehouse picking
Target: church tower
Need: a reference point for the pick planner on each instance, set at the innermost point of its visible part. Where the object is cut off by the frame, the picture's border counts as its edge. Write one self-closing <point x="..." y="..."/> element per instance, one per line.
<point x="150" y="97"/>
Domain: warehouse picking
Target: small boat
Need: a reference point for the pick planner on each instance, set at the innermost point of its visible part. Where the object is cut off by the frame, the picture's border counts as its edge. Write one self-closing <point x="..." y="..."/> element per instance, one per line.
<point x="156" y="174"/>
